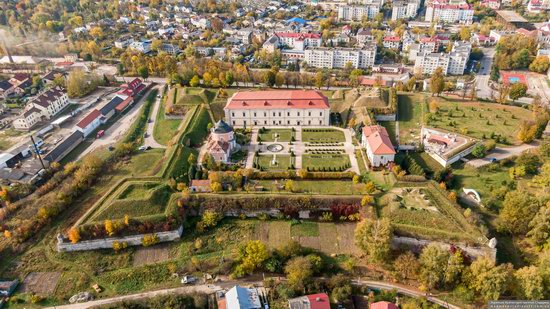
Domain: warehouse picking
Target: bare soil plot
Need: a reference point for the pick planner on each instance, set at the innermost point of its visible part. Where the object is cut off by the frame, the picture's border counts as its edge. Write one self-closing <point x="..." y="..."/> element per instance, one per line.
<point x="279" y="234"/>
<point x="346" y="239"/>
<point x="42" y="283"/>
<point x="328" y="238"/>
<point x="151" y="255"/>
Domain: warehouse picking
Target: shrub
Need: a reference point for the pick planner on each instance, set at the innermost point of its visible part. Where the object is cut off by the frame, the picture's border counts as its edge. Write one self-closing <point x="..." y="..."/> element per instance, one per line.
<point x="150" y="240"/>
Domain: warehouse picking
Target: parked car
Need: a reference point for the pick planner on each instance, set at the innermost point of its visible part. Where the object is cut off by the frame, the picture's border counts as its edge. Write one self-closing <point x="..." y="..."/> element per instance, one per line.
<point x="492" y="160"/>
<point x="143" y="148"/>
<point x="100" y="133"/>
<point x="188" y="280"/>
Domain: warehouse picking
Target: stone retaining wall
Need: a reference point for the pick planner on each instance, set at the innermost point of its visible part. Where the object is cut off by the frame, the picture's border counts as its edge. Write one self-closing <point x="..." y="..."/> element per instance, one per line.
<point x="64" y="245"/>
<point x="416" y="245"/>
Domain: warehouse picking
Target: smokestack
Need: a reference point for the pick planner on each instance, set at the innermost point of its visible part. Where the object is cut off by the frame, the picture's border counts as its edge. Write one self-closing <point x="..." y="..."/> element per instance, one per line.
<point x="7" y="51"/>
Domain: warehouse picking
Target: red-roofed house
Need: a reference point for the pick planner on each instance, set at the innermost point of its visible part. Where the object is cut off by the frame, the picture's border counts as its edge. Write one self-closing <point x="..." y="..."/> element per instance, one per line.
<point x="313" y="301"/>
<point x="376" y="140"/>
<point x="200" y="185"/>
<point x="89" y="123"/>
<point x="383" y="305"/>
<point x="392" y="42"/>
<point x="277" y="108"/>
<point x="132" y="88"/>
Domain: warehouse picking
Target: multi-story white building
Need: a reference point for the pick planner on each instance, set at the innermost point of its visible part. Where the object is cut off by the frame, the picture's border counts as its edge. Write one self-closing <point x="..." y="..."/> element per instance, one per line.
<point x="277" y="108"/>
<point x="42" y="107"/>
<point x="452" y="64"/>
<point x="143" y="46"/>
<point x="338" y="57"/>
<point x="391" y="42"/>
<point x="295" y="40"/>
<point x="352" y="12"/>
<point x="404" y="9"/>
<point x="449" y="11"/>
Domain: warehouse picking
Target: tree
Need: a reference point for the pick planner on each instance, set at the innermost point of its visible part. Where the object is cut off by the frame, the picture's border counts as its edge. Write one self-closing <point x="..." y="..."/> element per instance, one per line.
<point x="479" y="151"/>
<point x="143" y="72"/>
<point x="540" y="64"/>
<point x="529" y="283"/>
<point x="455" y="267"/>
<point x="290" y="186"/>
<point x="518" y="209"/>
<point x="342" y="293"/>
<point x="539" y="229"/>
<point x="543" y="178"/>
<point x="216" y="187"/>
<point x="465" y="34"/>
<point x="521" y="59"/>
<point x="374" y="238"/>
<point x="433" y="261"/>
<point x="527" y="131"/>
<point x="437" y="81"/>
<point x="251" y="256"/>
<point x="406" y="265"/>
<point x="517" y="91"/>
<point x="74" y="235"/>
<point x="270" y="78"/>
<point x="495" y="73"/>
<point x="320" y="78"/>
<point x="109" y="227"/>
<point x="366" y="200"/>
<point x="299" y="272"/>
<point x="210" y="218"/>
<point x="487" y="279"/>
<point x="195" y="81"/>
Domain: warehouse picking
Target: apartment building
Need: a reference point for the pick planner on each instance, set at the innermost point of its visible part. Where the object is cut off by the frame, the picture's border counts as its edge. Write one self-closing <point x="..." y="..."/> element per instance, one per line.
<point x="357" y="13"/>
<point x="404" y="9"/>
<point x="449" y="11"/>
<point x="338" y="57"/>
<point x="453" y="63"/>
<point x="44" y="106"/>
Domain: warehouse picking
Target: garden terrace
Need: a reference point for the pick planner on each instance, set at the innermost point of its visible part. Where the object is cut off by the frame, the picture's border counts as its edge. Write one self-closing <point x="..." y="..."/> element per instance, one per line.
<point x="337" y="187"/>
<point x="273" y="162"/>
<point x="326" y="162"/>
<point x="275" y="135"/>
<point x="323" y="136"/>
<point x="481" y="120"/>
<point x="422" y="210"/>
<point x="410" y="110"/>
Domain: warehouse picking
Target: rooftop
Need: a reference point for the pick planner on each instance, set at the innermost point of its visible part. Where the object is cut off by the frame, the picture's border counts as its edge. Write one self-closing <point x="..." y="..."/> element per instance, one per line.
<point x="277" y="99"/>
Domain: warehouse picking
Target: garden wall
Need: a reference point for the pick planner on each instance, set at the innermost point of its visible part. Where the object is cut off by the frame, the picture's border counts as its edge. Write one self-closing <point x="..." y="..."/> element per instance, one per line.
<point x="416" y="245"/>
<point x="389" y="117"/>
<point x="63" y="245"/>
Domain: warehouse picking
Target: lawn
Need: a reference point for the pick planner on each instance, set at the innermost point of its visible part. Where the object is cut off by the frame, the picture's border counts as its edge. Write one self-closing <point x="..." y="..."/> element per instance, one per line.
<point x="481" y="120"/>
<point x="322" y="162"/>
<point x="265" y="162"/>
<point x="269" y="135"/>
<point x="410" y="110"/>
<point x="359" y="156"/>
<point x="392" y="130"/>
<point x="481" y="180"/>
<point x="145" y="163"/>
<point x="426" y="162"/>
<point x="336" y="187"/>
<point x="164" y="129"/>
<point x="305" y="228"/>
<point x="323" y="136"/>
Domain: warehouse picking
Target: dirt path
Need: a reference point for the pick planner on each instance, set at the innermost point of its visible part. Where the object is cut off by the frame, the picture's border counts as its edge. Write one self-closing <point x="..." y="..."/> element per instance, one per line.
<point x="150" y="139"/>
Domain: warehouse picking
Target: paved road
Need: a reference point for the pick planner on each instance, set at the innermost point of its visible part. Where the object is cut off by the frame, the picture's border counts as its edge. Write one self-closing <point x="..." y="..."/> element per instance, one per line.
<point x="482" y="77"/>
<point x="116" y="130"/>
<point x="150" y="139"/>
<point x="211" y="288"/>
<point x="500" y="153"/>
<point x="404" y="290"/>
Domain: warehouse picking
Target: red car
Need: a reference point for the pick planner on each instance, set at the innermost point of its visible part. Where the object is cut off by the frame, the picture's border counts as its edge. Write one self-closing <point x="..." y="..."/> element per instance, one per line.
<point x="100" y="133"/>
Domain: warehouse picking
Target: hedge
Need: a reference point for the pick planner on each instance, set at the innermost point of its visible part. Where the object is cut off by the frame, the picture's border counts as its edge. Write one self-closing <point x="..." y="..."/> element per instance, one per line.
<point x="309" y="175"/>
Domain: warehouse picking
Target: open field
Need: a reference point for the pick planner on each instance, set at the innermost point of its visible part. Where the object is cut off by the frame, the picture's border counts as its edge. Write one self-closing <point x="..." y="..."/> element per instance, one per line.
<point x="268" y="135"/>
<point x="282" y="162"/>
<point x="325" y="161"/>
<point x="480" y="180"/>
<point x="410" y="109"/>
<point x="323" y="136"/>
<point x="481" y="120"/>
<point x="164" y="129"/>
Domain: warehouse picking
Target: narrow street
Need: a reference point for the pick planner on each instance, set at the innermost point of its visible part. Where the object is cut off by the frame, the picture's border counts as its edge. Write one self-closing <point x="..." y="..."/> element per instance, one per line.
<point x="149" y="140"/>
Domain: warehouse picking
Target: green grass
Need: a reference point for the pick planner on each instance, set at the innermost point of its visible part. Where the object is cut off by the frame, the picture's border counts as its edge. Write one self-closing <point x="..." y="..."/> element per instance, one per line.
<point x="320" y="161"/>
<point x="481" y="180"/>
<point x="480" y="120"/>
<point x="360" y="162"/>
<point x="304" y="229"/>
<point x="283" y="162"/>
<point x="392" y="130"/>
<point x="268" y="135"/>
<point x="323" y="136"/>
<point x="410" y="110"/>
<point x="145" y="163"/>
<point x="164" y="129"/>
<point x="336" y="187"/>
<point x="199" y="127"/>
<point x="426" y="162"/>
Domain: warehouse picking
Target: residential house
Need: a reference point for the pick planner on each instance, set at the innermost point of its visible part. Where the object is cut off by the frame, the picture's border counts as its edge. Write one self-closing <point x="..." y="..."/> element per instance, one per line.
<point x="44" y="106"/>
<point x="313" y="301"/>
<point x="199" y="185"/>
<point x="89" y="123"/>
<point x="376" y="141"/>
<point x="383" y="305"/>
<point x="241" y="298"/>
<point x="392" y="42"/>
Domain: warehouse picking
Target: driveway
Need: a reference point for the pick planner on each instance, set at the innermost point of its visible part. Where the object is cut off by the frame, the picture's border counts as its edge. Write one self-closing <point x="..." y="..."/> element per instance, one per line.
<point x="500" y="153"/>
<point x="482" y="77"/>
<point x="150" y="139"/>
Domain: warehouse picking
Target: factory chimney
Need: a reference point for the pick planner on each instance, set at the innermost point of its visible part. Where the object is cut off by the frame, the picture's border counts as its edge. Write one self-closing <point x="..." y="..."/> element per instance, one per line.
<point x="7" y="51"/>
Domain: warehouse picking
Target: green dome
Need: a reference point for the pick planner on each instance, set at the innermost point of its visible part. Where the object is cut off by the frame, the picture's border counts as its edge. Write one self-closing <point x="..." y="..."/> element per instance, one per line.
<point x="222" y="127"/>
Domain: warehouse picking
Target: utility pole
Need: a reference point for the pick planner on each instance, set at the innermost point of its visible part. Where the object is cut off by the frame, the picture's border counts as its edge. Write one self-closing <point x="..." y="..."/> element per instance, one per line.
<point x="37" y="152"/>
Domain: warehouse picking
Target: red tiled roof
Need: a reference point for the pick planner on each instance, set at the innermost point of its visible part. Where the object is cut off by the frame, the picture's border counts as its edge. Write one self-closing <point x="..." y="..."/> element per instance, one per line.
<point x="318" y="301"/>
<point x="392" y="38"/>
<point x="88" y="119"/>
<point x="64" y="64"/>
<point x="383" y="305"/>
<point x="276" y="99"/>
<point x="378" y="140"/>
<point x="124" y="104"/>
<point x="200" y="183"/>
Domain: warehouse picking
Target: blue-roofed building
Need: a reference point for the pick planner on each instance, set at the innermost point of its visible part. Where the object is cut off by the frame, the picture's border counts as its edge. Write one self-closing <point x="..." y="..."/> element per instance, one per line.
<point x="297" y="20"/>
<point x="241" y="298"/>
